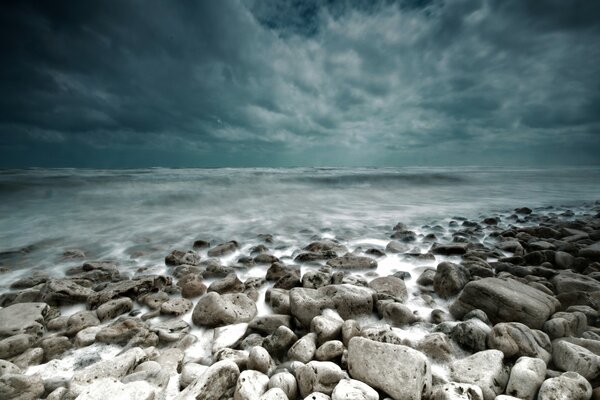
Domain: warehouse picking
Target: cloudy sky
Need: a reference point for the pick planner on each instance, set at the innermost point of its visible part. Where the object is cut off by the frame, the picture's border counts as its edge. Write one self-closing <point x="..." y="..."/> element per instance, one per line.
<point x="284" y="83"/>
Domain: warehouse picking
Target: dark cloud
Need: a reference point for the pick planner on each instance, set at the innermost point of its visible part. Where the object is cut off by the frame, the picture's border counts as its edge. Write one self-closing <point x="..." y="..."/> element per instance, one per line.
<point x="248" y="82"/>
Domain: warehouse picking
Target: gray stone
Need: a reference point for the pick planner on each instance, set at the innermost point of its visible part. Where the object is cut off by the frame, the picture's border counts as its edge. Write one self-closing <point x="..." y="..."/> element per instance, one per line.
<point x="180" y="257"/>
<point x="569" y="385"/>
<point x="397" y="314"/>
<point x="20" y="387"/>
<point x="351" y="389"/>
<point x="81" y="320"/>
<point x="389" y="288"/>
<point x="274" y="394"/>
<point x="33" y="356"/>
<point x="191" y="285"/>
<point x="214" y="310"/>
<point x="15" y="345"/>
<point x="484" y="369"/>
<point x="449" y="279"/>
<point x="304" y="349"/>
<point x="64" y="291"/>
<point x="259" y="359"/>
<point x="350" y="261"/>
<point x="251" y="385"/>
<point x="6" y="367"/>
<point x="286" y="382"/>
<point x="569" y="356"/>
<point x="269" y="323"/>
<point x="177" y="306"/>
<point x="318" y="376"/>
<point x="279" y="342"/>
<point x="133" y="288"/>
<point x="350" y="329"/>
<point x="223" y="249"/>
<point x="526" y="377"/>
<point x="436" y="346"/>
<point x="111" y="388"/>
<point x="190" y="372"/>
<point x="384" y="365"/>
<point x="113" y="308"/>
<point x="505" y="301"/>
<point x="514" y="340"/>
<point x="117" y="367"/>
<point x="457" y="391"/>
<point x="471" y="334"/>
<point x="21" y="318"/>
<point x="565" y="324"/>
<point x="230" y="284"/>
<point x="569" y="281"/>
<point x="592" y="252"/>
<point x="228" y="336"/>
<point x="326" y="328"/>
<point x="217" y="382"/>
<point x="55" y="346"/>
<point x="87" y="336"/>
<point x="317" y="396"/>
<point x="329" y="350"/>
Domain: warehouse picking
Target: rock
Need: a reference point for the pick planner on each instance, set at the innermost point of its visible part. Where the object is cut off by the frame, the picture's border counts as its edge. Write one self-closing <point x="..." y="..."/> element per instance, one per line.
<point x="591" y="252"/>
<point x="229" y="284"/>
<point x="569" y="385"/>
<point x="127" y="331"/>
<point x="191" y="286"/>
<point x="21" y="387"/>
<point x="15" y="345"/>
<point x="150" y="372"/>
<point x="317" y="396"/>
<point x="351" y="389"/>
<point x="251" y="385"/>
<point x="397" y="314"/>
<point x="426" y="277"/>
<point x="514" y="340"/>
<point x="265" y="258"/>
<point x="274" y="394"/>
<point x="179" y="257"/>
<point x="457" y="391"/>
<point x="389" y="288"/>
<point x="326" y="245"/>
<point x="350" y="329"/>
<point x="117" y="367"/>
<point x="279" y="300"/>
<point x="32" y="356"/>
<point x="574" y="357"/>
<point x="569" y="281"/>
<point x="223" y="249"/>
<point x="154" y="300"/>
<point x="55" y="346"/>
<point x="113" y="308"/>
<point x="563" y="260"/>
<point x="484" y="369"/>
<point x="304" y="349"/>
<point x="350" y="261"/>
<point x="286" y="382"/>
<point x="214" y="310"/>
<point x="81" y="320"/>
<point x="565" y="324"/>
<point x="29" y="281"/>
<point x="526" y="377"/>
<point x="452" y="249"/>
<point x="259" y="359"/>
<point x="133" y="288"/>
<point x="87" y="336"/>
<point x="170" y="330"/>
<point x="200" y="244"/>
<point x="384" y="365"/>
<point x="326" y="328"/>
<point x="471" y="334"/>
<point x="23" y="318"/>
<point x="228" y="336"/>
<point x="318" y="376"/>
<point x="110" y="388"/>
<point x="505" y="301"/>
<point x="449" y="279"/>
<point x="177" y="306"/>
<point x="348" y="300"/>
<point x="315" y="279"/>
<point x="217" y="382"/>
<point x="269" y="323"/>
<point x="436" y="346"/>
<point x="279" y="342"/>
<point x="63" y="291"/>
<point x="7" y="367"/>
<point x="329" y="350"/>
<point x="190" y="372"/>
<point x="97" y="271"/>
<point x="278" y="269"/>
<point x="396" y="247"/>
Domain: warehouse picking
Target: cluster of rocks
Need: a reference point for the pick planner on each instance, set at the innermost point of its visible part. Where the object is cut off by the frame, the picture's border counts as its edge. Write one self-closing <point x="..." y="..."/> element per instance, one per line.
<point x="522" y="322"/>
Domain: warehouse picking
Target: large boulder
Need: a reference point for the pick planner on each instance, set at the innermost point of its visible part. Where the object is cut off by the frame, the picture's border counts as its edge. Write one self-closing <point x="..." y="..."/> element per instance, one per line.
<point x="484" y="369"/>
<point x="350" y="261"/>
<point x="348" y="300"/>
<point x="214" y="310"/>
<point x="569" y="385"/>
<point x="21" y="318"/>
<point x="505" y="301"/>
<point x="216" y="383"/>
<point x="450" y="278"/>
<point x="515" y="340"/>
<point x="399" y="371"/>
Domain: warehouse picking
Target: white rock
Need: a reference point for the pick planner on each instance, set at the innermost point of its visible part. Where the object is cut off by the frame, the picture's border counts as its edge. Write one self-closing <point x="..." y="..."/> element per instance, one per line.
<point x="526" y="377"/>
<point x="384" y="366"/>
<point x="286" y="382"/>
<point x="318" y="376"/>
<point x="217" y="382"/>
<point x="274" y="394"/>
<point x="228" y="336"/>
<point x="484" y="369"/>
<point x="351" y="389"/>
<point x="110" y="388"/>
<point x="259" y="359"/>
<point x="569" y="385"/>
<point x="87" y="336"/>
<point x="251" y="385"/>
<point x="190" y="372"/>
<point x="304" y="349"/>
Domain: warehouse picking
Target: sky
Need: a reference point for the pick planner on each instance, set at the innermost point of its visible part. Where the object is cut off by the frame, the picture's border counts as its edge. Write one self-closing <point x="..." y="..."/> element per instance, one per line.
<point x="237" y="83"/>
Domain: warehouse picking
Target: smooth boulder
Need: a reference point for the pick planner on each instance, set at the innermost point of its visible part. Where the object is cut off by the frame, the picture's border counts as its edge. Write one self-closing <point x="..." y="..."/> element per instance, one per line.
<point x="215" y="310"/>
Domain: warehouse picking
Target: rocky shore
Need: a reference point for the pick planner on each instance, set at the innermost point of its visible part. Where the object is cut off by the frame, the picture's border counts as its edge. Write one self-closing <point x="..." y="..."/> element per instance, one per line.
<point x="506" y="306"/>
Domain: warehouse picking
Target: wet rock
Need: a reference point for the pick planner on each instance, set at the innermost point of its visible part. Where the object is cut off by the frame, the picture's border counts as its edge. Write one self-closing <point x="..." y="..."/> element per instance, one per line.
<point x="569" y="385"/>
<point x="457" y="391"/>
<point x="191" y="285"/>
<point x="177" y="306"/>
<point x="127" y="331"/>
<point x="200" y="244"/>
<point x="171" y="330"/>
<point x="81" y="320"/>
<point x="21" y="387"/>
<point x="64" y="291"/>
<point x="214" y="310"/>
<point x="326" y="328"/>
<point x="514" y="340"/>
<point x="110" y="388"/>
<point x="484" y="369"/>
<point x="526" y="377"/>
<point x="389" y="288"/>
<point x="179" y="257"/>
<point x="569" y="281"/>
<point x="450" y="278"/>
<point x="130" y="288"/>
<point x="279" y="342"/>
<point x="325" y="245"/>
<point x="113" y="308"/>
<point x="154" y="300"/>
<point x="265" y="258"/>
<point x="16" y="344"/>
<point x="315" y="279"/>
<point x="329" y="350"/>
<point x="97" y="271"/>
<point x="437" y="346"/>
<point x="471" y="334"/>
<point x="591" y="252"/>
<point x="7" y="367"/>
<point x="117" y="367"/>
<point x="349" y="301"/>
<point x="383" y="365"/>
<point x="223" y="249"/>
<point x="269" y="323"/>
<point x="579" y="355"/>
<point x="396" y="247"/>
<point x="504" y="301"/>
<point x="32" y="280"/>
<point x="217" y="382"/>
<point x="30" y="357"/>
<point x="563" y="260"/>
<point x="274" y="394"/>
<point x="229" y="284"/>
<point x="350" y="261"/>
<point x="304" y="349"/>
<point x="150" y="372"/>
<point x="290" y="280"/>
<point x="286" y="382"/>
<point x="278" y="269"/>
<point x="22" y="318"/>
<point x="405" y="236"/>
<point x="87" y="336"/>
<point x="350" y="329"/>
<point x="452" y="249"/>
<point x="351" y="389"/>
<point x="279" y="300"/>
<point x="318" y="376"/>
<point x="565" y="324"/>
<point x="397" y="314"/>
<point x="426" y="277"/>
<point x="55" y="346"/>
<point x="259" y="359"/>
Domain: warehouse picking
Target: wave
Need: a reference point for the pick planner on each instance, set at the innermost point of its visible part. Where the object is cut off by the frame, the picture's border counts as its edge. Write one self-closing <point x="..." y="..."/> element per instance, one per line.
<point x="376" y="179"/>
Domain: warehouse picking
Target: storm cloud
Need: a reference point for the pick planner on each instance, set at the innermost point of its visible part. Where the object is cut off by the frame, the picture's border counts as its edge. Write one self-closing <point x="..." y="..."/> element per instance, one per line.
<point x="283" y="83"/>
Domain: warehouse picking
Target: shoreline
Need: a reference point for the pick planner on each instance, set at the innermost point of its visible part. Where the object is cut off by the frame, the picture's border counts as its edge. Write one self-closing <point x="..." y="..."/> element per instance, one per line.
<point x="248" y="317"/>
